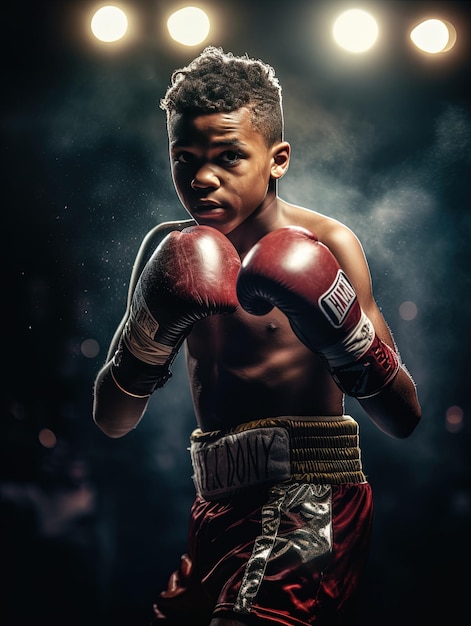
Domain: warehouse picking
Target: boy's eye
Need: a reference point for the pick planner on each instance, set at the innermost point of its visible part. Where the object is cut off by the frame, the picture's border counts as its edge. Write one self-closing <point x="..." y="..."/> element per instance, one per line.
<point x="230" y="157"/>
<point x="183" y="157"/>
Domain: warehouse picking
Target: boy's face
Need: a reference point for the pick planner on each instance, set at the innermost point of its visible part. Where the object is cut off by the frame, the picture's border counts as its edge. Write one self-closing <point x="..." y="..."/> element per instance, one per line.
<point x="221" y="166"/>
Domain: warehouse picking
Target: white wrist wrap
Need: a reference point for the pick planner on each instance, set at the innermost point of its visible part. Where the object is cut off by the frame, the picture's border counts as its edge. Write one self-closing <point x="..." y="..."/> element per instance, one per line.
<point x="139" y="332"/>
<point x="353" y="346"/>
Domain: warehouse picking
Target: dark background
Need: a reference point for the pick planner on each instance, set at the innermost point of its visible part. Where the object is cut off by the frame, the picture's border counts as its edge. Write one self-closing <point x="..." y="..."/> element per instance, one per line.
<point x="92" y="527"/>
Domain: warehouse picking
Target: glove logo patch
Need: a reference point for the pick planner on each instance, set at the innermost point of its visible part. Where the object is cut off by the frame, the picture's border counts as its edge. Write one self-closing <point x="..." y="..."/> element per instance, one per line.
<point x="337" y="301"/>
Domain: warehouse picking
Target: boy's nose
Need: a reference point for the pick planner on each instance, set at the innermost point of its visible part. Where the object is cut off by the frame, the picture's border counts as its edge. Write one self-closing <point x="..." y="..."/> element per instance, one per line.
<point x="205" y="177"/>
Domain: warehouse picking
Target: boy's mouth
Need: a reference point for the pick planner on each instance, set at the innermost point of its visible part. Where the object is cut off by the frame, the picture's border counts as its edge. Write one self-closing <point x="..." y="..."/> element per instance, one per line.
<point x="208" y="207"/>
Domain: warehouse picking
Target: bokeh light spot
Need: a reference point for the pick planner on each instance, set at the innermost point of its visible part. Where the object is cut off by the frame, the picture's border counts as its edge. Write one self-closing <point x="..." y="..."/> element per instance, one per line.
<point x="189" y="26"/>
<point x="90" y="348"/>
<point x="408" y="310"/>
<point x="454" y="419"/>
<point x="434" y="36"/>
<point x="355" y="30"/>
<point x="109" y="24"/>
<point x="47" y="438"/>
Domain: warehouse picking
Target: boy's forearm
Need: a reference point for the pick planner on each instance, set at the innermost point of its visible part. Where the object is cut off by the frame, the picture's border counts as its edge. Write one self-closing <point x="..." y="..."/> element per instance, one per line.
<point x="115" y="412"/>
<point x="396" y="410"/>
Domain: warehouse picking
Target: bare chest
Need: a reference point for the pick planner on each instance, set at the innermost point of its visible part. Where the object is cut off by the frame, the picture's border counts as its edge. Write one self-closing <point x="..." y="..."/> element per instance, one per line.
<point x="243" y="366"/>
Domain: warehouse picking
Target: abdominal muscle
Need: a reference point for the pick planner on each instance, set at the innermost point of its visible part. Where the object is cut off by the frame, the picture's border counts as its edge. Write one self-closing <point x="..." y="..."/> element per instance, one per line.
<point x="243" y="368"/>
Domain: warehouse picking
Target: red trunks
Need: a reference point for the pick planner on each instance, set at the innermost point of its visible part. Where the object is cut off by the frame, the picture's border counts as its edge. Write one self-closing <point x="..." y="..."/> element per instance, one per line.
<point x="296" y="560"/>
<point x="280" y="530"/>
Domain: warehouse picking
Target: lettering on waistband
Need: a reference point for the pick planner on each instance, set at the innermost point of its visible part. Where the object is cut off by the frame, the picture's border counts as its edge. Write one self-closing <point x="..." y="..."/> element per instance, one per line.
<point x="240" y="460"/>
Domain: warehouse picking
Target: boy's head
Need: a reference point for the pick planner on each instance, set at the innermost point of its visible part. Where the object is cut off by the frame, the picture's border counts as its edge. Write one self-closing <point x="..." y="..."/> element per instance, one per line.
<point x="218" y="82"/>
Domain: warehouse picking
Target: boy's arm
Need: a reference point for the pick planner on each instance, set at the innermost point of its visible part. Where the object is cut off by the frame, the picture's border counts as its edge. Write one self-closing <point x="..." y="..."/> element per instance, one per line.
<point x="190" y="275"/>
<point x="324" y="288"/>
<point x="396" y="410"/>
<point x="115" y="412"/>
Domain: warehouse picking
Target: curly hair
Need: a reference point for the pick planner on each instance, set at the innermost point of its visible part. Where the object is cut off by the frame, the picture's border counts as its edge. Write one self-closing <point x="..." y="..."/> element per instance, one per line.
<point x="217" y="81"/>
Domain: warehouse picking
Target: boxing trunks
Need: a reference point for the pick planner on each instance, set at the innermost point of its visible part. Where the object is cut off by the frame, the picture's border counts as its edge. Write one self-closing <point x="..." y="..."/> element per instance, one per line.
<point x="280" y="527"/>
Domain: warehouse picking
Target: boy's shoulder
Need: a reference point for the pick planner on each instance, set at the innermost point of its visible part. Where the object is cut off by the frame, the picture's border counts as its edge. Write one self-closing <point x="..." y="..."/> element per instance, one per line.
<point x="329" y="230"/>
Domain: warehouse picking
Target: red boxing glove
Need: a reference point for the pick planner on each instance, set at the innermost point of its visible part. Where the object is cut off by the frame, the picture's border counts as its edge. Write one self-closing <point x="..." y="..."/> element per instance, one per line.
<point x="191" y="275"/>
<point x="291" y="269"/>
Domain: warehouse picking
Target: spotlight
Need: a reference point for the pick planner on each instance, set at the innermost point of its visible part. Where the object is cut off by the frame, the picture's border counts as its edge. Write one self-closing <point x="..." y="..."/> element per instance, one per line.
<point x="355" y="30"/>
<point x="434" y="36"/>
<point x="188" y="26"/>
<point x="109" y="24"/>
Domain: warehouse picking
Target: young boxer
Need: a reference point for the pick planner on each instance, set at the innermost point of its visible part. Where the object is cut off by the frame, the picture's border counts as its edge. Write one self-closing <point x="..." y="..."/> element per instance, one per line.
<point x="274" y="306"/>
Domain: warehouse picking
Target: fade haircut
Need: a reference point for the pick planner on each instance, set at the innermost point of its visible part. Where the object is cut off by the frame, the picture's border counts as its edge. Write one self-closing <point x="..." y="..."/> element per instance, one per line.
<point x="219" y="82"/>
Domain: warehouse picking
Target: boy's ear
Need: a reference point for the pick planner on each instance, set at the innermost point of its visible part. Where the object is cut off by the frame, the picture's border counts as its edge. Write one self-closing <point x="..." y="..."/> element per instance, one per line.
<point x="280" y="155"/>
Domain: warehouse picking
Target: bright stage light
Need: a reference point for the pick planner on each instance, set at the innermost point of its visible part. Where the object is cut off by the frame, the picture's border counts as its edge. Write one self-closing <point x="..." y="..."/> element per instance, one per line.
<point x="434" y="36"/>
<point x="109" y="24"/>
<point x="188" y="26"/>
<point x="355" y="30"/>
